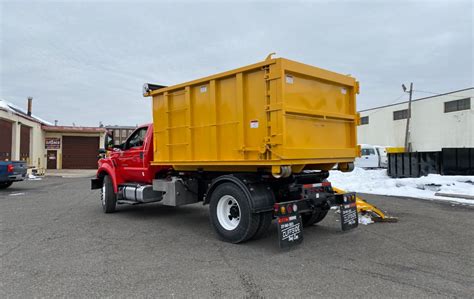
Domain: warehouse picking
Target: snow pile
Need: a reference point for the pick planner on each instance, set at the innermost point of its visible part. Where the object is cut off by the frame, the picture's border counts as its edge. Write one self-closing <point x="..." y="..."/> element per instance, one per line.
<point x="378" y="182"/>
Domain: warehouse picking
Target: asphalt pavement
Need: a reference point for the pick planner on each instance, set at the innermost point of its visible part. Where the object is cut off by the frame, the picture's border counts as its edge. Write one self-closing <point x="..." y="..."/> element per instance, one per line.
<point x="56" y="242"/>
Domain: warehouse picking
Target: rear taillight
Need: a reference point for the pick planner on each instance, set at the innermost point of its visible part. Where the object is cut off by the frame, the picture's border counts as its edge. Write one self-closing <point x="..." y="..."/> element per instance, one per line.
<point x="10" y="168"/>
<point x="280" y="209"/>
<point x="276" y="208"/>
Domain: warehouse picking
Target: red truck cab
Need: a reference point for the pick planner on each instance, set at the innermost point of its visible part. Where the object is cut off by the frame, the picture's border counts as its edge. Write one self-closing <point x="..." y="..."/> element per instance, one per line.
<point x="130" y="162"/>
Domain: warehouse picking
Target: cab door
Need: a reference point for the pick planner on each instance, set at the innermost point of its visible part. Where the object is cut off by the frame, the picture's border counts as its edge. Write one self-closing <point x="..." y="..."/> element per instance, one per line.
<point x="368" y="158"/>
<point x="131" y="158"/>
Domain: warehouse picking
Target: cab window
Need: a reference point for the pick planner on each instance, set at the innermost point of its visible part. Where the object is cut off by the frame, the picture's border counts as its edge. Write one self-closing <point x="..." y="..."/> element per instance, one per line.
<point x="136" y="139"/>
<point x="367" y="151"/>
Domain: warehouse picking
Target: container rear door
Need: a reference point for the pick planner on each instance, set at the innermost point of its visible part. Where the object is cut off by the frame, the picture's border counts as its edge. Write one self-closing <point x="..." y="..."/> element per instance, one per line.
<point x="320" y="115"/>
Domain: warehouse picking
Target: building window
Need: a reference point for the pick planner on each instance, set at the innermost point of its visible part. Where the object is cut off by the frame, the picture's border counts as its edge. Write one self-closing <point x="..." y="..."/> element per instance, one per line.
<point x="364" y="120"/>
<point x="124" y="133"/>
<point x="400" y="114"/>
<point x="457" y="105"/>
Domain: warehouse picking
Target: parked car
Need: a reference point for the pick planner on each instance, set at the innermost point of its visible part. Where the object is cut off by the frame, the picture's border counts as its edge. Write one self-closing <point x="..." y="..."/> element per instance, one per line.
<point x="372" y="156"/>
<point x="11" y="171"/>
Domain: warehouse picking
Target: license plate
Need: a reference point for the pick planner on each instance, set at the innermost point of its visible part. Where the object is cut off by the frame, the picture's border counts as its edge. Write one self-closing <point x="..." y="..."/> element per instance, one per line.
<point x="348" y="209"/>
<point x="290" y="230"/>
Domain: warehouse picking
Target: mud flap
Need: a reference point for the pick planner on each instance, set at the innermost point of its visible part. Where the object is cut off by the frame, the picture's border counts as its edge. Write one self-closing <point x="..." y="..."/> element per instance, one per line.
<point x="348" y="211"/>
<point x="290" y="231"/>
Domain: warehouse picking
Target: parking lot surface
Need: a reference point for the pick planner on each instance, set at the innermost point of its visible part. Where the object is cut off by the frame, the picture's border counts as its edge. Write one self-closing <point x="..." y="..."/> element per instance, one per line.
<point x="55" y="241"/>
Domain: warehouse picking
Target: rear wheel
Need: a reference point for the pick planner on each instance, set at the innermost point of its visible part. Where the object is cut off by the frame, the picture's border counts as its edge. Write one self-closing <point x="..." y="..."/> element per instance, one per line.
<point x="230" y="213"/>
<point x="108" y="196"/>
<point x="5" y="185"/>
<point x="263" y="225"/>
<point x="316" y="216"/>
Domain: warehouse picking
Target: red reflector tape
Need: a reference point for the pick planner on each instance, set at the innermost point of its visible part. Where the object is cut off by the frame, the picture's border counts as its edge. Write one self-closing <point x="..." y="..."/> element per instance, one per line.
<point x="283" y="219"/>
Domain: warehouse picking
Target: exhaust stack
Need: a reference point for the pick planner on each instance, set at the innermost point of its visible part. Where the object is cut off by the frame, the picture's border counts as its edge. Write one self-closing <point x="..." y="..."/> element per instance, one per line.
<point x="30" y="104"/>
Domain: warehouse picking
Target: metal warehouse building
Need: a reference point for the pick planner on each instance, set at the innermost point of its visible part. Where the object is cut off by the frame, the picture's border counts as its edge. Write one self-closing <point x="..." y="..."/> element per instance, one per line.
<point x="441" y="121"/>
<point x="24" y="136"/>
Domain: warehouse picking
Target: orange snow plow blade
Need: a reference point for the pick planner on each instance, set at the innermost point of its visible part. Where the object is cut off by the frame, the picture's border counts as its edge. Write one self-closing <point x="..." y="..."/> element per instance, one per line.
<point x="364" y="207"/>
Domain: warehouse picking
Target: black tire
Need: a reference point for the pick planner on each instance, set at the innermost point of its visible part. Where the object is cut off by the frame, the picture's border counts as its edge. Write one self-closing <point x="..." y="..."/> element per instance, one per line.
<point x="108" y="197"/>
<point x="263" y="225"/>
<point x="5" y="185"/>
<point x="316" y="216"/>
<point x="248" y="222"/>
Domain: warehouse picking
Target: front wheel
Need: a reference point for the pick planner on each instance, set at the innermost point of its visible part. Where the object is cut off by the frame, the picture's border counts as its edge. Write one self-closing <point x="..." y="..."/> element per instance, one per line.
<point x="230" y="213"/>
<point x="5" y="185"/>
<point x="108" y="196"/>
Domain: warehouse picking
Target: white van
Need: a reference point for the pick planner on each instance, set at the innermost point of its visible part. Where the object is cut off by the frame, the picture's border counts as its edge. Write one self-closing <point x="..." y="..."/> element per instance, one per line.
<point x="372" y="156"/>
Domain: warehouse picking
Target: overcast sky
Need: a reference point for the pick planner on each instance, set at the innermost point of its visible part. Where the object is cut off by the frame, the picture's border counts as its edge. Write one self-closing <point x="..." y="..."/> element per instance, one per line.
<point x="86" y="62"/>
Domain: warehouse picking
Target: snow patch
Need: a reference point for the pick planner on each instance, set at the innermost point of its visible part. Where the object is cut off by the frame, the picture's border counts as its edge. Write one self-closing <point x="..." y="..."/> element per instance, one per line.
<point x="365" y="219"/>
<point x="32" y="177"/>
<point x="378" y="182"/>
<point x="10" y="107"/>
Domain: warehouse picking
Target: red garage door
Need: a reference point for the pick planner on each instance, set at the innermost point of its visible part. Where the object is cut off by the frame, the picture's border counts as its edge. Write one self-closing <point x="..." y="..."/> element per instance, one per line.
<point x="80" y="152"/>
<point x="5" y="140"/>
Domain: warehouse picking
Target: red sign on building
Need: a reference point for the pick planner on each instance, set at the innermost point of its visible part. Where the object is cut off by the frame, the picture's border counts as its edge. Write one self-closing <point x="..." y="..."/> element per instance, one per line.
<point x="52" y="143"/>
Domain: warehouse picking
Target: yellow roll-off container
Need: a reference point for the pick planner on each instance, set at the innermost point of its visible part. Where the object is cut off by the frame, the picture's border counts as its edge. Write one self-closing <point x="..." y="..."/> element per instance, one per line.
<point x="277" y="115"/>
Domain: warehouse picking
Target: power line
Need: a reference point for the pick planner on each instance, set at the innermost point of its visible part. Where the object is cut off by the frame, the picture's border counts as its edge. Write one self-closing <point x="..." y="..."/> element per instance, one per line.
<point x="376" y="109"/>
<point x="391" y="103"/>
<point x="439" y="94"/>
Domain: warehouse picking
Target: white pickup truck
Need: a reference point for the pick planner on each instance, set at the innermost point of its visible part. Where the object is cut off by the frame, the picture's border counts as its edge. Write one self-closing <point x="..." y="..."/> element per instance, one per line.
<point x="372" y="156"/>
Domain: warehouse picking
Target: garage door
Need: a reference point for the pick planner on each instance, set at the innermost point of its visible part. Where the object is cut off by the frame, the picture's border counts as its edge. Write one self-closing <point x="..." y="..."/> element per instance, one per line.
<point x="25" y="143"/>
<point x="80" y="152"/>
<point x="5" y="140"/>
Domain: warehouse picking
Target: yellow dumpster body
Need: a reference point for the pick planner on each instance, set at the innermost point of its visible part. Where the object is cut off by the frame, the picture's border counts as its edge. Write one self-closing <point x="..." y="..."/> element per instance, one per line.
<point x="270" y="116"/>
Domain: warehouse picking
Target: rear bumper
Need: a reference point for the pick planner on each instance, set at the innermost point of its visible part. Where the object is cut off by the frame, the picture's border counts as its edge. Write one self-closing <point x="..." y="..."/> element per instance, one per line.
<point x="322" y="201"/>
<point x="16" y="177"/>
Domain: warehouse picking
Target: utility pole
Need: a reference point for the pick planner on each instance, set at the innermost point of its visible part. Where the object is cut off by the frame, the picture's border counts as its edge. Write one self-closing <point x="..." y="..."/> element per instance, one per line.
<point x="407" y="131"/>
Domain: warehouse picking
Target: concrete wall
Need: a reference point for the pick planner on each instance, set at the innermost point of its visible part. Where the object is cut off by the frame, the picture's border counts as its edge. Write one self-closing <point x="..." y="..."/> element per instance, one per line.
<point x="430" y="128"/>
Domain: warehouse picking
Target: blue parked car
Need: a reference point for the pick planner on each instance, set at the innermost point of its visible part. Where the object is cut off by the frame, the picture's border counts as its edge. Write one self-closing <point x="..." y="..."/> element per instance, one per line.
<point x="11" y="171"/>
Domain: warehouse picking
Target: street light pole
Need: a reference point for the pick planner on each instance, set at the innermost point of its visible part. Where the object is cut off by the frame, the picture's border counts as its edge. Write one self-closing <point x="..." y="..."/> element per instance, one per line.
<point x="407" y="131"/>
